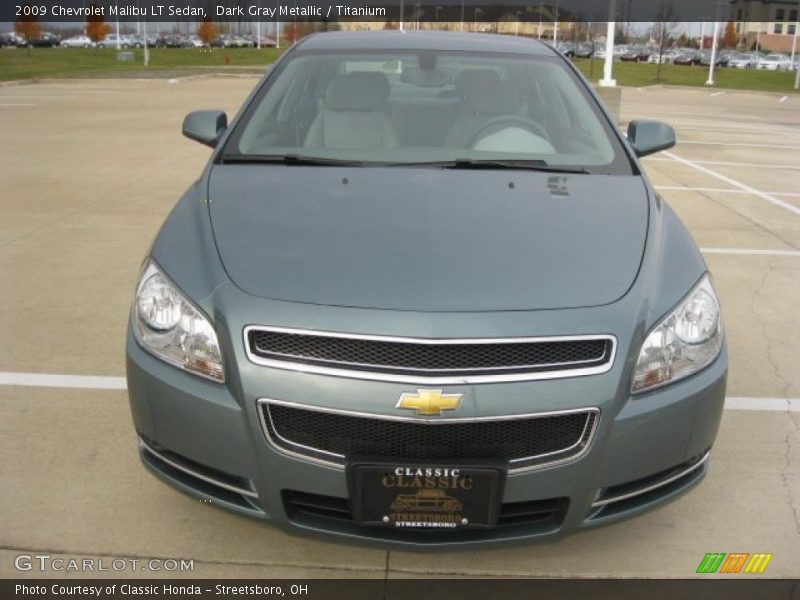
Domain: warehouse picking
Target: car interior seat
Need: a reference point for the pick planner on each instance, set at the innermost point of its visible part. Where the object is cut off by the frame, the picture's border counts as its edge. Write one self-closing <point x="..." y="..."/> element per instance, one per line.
<point x="353" y="114"/>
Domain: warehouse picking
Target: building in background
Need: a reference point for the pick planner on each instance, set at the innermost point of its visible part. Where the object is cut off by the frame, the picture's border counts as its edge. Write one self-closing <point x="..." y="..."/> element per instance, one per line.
<point x="772" y="22"/>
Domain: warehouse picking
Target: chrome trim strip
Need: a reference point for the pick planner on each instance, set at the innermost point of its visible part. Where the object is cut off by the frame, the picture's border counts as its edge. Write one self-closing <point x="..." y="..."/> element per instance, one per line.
<point x="428" y="380"/>
<point x="188" y="471"/>
<point x="654" y="486"/>
<point x="289" y="358"/>
<point x="586" y="438"/>
<point x="581" y="440"/>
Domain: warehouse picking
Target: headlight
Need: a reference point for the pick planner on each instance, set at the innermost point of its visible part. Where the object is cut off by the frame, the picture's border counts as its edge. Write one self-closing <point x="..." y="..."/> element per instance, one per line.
<point x="167" y="325"/>
<point x="683" y="342"/>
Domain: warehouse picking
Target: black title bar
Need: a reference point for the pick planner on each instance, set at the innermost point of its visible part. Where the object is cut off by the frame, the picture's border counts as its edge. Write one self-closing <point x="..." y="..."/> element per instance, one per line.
<point x="446" y="11"/>
<point x="402" y="589"/>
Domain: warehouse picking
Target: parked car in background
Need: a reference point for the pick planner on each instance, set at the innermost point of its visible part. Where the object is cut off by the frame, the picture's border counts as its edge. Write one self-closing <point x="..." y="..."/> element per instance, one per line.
<point x="635" y="54"/>
<point x="253" y="41"/>
<point x="584" y="51"/>
<point x="137" y="40"/>
<point x="11" y="39"/>
<point x="194" y="41"/>
<point x="45" y="40"/>
<point x="666" y="58"/>
<point x="742" y="61"/>
<point x="725" y="56"/>
<point x="232" y="41"/>
<point x="705" y="59"/>
<point x="775" y="62"/>
<point x="112" y="41"/>
<point x="240" y="41"/>
<point x="77" y="41"/>
<point x="687" y="57"/>
<point x="173" y="40"/>
<point x="566" y="48"/>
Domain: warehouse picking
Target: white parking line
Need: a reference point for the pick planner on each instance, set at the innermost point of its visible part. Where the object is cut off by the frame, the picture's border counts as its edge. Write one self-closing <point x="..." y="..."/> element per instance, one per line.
<point x="37" y="97"/>
<point x="756" y="129"/>
<point x="688" y="188"/>
<point x="783" y="99"/>
<point x="63" y="381"/>
<point x="748" y="145"/>
<point x="718" y="94"/>
<point x="733" y="182"/>
<point x="685" y="115"/>
<point x="118" y="383"/>
<point x="750" y="252"/>
<point x="723" y="163"/>
<point x="776" y="404"/>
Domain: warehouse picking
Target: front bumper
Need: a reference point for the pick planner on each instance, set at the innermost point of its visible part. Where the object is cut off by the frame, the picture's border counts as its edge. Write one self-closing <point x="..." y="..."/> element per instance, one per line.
<point x="206" y="439"/>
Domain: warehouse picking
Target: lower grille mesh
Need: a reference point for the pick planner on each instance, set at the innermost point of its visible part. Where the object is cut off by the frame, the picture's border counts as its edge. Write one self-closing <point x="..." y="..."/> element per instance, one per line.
<point x="332" y="512"/>
<point x="336" y="437"/>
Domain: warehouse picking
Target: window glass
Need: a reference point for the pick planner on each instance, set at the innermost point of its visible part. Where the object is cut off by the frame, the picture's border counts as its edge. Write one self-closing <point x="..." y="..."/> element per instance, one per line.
<point x="424" y="106"/>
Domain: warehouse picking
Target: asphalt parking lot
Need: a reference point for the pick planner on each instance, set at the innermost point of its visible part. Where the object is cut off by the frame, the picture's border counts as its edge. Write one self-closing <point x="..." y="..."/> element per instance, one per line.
<point x="90" y="170"/>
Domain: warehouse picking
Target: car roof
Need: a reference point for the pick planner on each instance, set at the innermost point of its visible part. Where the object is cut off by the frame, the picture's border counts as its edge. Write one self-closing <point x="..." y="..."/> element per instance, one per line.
<point x="424" y="40"/>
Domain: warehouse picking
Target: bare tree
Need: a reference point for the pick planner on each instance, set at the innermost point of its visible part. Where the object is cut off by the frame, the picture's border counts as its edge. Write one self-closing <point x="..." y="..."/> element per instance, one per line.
<point x="665" y="26"/>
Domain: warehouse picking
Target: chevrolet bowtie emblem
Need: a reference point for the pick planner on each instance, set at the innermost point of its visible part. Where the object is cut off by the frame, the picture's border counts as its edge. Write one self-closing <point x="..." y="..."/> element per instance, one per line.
<point x="429" y="402"/>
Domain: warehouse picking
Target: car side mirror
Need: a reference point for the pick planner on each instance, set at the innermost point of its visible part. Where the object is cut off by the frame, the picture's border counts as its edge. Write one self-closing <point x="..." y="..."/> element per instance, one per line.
<point x="205" y="126"/>
<point x="648" y="137"/>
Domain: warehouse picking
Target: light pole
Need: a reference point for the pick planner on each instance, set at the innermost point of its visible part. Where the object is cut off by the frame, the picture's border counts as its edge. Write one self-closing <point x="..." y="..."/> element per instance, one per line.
<point x="462" y="16"/>
<point x="516" y="30"/>
<point x="277" y="34"/>
<point x="258" y="26"/>
<point x="539" y="35"/>
<point x="794" y="42"/>
<point x="118" y="44"/>
<point x="475" y="19"/>
<point x="402" y="15"/>
<point x="555" y="28"/>
<point x="144" y="43"/>
<point x="608" y="65"/>
<point x="713" y="47"/>
<point x="794" y="38"/>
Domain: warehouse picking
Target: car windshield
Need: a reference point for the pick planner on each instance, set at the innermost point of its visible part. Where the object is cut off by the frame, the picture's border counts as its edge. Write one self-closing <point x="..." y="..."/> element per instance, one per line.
<point x="424" y="107"/>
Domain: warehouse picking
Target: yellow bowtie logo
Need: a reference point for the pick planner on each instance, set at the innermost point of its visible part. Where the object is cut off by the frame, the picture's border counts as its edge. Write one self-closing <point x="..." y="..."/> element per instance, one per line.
<point x="429" y="402"/>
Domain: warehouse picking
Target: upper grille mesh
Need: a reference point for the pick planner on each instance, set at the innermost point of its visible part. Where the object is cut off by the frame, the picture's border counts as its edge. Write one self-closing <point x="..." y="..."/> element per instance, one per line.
<point x="408" y="357"/>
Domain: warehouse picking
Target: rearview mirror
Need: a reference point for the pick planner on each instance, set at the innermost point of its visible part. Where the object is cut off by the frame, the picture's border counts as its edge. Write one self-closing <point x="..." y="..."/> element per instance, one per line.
<point x="648" y="137"/>
<point x="205" y="126"/>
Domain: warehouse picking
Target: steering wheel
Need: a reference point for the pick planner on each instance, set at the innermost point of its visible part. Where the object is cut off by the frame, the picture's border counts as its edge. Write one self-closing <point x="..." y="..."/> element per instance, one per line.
<point x="509" y="122"/>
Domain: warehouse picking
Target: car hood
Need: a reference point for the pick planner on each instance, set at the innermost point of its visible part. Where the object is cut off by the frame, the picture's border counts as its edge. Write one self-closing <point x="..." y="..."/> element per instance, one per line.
<point x="426" y="239"/>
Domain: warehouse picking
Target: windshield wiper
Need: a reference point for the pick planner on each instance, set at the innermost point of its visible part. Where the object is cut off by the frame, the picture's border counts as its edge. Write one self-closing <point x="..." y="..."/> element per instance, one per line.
<point x="529" y="165"/>
<point x="291" y="159"/>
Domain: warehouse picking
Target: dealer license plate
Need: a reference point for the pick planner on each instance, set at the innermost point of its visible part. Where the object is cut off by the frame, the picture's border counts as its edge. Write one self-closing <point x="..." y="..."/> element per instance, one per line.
<point x="421" y="496"/>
